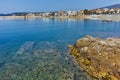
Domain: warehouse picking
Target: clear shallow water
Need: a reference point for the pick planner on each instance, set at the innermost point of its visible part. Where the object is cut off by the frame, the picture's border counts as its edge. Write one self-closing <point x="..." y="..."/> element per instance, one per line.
<point x="60" y="32"/>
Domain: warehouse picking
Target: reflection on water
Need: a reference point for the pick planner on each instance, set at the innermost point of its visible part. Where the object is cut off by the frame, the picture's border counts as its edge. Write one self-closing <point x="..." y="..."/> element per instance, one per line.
<point x="35" y="49"/>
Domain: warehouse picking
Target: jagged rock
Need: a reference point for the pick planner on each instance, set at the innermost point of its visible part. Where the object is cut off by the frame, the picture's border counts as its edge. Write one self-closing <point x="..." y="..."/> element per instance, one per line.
<point x="99" y="58"/>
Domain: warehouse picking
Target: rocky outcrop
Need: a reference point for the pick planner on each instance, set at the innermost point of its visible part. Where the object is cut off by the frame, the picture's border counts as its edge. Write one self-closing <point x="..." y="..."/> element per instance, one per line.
<point x="100" y="58"/>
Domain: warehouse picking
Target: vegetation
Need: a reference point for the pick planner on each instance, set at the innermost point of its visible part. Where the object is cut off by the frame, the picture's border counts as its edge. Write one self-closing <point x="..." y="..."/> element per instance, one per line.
<point x="87" y="12"/>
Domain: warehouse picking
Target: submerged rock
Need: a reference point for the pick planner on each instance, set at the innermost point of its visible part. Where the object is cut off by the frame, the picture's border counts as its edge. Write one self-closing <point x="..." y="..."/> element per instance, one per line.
<point x="26" y="47"/>
<point x="41" y="61"/>
<point x="99" y="58"/>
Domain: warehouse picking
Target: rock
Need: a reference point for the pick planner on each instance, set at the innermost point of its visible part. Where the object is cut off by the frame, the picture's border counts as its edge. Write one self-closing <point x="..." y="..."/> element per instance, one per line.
<point x="21" y="51"/>
<point x="111" y="44"/>
<point x="83" y="42"/>
<point x="84" y="49"/>
<point x="98" y="57"/>
<point x="103" y="43"/>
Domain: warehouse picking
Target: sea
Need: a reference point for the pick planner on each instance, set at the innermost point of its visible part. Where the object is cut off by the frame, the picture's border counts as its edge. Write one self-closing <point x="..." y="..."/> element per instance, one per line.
<point x="37" y="48"/>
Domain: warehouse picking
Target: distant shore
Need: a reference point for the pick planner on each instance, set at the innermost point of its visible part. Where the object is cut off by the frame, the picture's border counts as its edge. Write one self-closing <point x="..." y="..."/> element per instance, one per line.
<point x="104" y="17"/>
<point x="91" y="17"/>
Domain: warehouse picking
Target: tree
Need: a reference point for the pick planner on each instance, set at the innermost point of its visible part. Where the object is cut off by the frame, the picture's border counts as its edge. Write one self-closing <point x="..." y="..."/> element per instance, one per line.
<point x="52" y="14"/>
<point x="87" y="12"/>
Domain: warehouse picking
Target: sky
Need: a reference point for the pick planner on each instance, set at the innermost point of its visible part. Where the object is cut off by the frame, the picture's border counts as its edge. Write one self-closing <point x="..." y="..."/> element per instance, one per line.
<point x="10" y="6"/>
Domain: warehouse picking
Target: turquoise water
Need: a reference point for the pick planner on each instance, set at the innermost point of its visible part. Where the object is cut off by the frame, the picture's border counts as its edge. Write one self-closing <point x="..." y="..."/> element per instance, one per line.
<point x="60" y="32"/>
<point x="20" y="30"/>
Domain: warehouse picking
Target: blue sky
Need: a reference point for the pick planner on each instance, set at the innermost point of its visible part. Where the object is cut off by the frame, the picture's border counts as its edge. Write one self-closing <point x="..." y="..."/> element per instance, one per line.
<point x="8" y="6"/>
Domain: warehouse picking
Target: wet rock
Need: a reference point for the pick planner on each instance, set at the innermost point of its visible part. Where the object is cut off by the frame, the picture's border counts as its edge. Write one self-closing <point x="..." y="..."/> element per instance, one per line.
<point x="98" y="57"/>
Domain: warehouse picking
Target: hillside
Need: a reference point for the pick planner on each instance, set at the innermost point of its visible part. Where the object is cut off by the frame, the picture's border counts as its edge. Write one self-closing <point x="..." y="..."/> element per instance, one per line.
<point x="112" y="6"/>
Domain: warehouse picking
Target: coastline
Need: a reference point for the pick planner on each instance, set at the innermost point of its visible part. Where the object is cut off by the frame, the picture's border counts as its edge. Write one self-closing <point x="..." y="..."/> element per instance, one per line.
<point x="90" y="17"/>
<point x="104" y="17"/>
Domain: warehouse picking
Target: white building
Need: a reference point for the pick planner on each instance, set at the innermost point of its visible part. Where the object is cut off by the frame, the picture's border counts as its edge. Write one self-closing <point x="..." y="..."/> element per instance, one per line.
<point x="105" y="9"/>
<point x="74" y="13"/>
<point x="118" y="11"/>
<point x="46" y="14"/>
<point x="69" y="13"/>
<point x="30" y="14"/>
<point x="112" y="11"/>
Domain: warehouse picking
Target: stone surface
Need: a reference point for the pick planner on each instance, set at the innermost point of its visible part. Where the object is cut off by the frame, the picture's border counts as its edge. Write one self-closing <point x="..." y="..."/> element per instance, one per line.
<point x="100" y="58"/>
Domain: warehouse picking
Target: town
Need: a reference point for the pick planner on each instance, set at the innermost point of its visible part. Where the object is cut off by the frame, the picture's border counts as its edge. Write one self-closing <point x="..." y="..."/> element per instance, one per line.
<point x="102" y="11"/>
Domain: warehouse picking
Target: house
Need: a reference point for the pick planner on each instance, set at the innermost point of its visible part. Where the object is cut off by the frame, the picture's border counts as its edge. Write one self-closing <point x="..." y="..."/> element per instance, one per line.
<point x="56" y="14"/>
<point x="45" y="14"/>
<point x="62" y="13"/>
<point x="69" y="13"/>
<point x="99" y="11"/>
<point x="118" y="11"/>
<point x="13" y="14"/>
<point x="81" y="12"/>
<point x="112" y="11"/>
<point x="39" y="14"/>
<point x="74" y="13"/>
<point x="30" y="14"/>
<point x="105" y="10"/>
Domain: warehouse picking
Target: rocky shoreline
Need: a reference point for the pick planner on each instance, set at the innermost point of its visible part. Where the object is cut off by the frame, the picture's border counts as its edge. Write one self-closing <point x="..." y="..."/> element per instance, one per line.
<point x="98" y="57"/>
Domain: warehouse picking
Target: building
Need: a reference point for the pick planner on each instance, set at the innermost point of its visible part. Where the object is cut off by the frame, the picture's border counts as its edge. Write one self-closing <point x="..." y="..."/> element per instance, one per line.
<point x="81" y="12"/>
<point x="56" y="14"/>
<point x="112" y="11"/>
<point x="105" y="10"/>
<point x="30" y="14"/>
<point x="99" y="11"/>
<point x="46" y="14"/>
<point x="74" y="13"/>
<point x="62" y="13"/>
<point x="69" y="13"/>
<point x="118" y="11"/>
